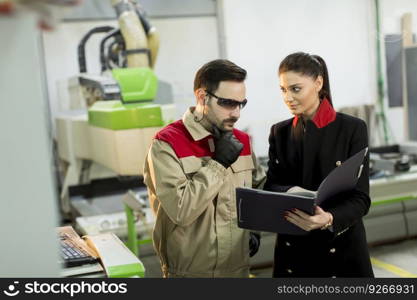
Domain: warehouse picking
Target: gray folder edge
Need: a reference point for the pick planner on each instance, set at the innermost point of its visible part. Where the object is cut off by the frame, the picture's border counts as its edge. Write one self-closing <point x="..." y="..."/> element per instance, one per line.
<point x="259" y="210"/>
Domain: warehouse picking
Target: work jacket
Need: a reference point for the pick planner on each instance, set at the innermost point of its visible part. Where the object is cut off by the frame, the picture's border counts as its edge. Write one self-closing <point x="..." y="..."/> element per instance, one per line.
<point x="325" y="143"/>
<point x="193" y="198"/>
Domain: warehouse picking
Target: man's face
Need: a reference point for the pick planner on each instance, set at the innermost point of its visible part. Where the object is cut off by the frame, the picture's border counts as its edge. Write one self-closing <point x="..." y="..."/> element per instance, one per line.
<point x="225" y="117"/>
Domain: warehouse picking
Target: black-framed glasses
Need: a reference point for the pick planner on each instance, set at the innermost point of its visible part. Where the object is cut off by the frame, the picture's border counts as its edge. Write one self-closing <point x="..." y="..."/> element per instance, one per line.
<point x="228" y="103"/>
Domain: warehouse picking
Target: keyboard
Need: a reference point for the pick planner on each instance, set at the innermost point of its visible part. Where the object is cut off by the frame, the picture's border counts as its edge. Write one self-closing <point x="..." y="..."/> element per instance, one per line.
<point x="74" y="256"/>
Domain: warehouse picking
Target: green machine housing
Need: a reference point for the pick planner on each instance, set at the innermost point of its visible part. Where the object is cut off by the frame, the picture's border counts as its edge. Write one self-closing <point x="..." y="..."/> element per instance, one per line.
<point x="138" y="88"/>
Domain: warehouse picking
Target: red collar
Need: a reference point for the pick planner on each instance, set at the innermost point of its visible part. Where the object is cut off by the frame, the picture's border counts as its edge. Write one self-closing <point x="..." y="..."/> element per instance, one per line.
<point x="323" y="117"/>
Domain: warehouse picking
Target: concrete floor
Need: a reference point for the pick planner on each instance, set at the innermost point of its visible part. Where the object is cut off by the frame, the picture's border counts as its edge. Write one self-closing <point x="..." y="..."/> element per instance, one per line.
<point x="393" y="261"/>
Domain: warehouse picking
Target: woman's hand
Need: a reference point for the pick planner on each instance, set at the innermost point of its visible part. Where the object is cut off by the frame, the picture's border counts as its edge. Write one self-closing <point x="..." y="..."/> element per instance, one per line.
<point x="320" y="218"/>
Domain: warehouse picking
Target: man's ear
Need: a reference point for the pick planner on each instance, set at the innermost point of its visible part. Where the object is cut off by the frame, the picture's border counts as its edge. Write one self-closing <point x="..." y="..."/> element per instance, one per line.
<point x="200" y="95"/>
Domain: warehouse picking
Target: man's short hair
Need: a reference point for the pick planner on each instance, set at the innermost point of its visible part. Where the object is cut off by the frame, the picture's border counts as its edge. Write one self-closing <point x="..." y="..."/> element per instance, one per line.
<point x="212" y="73"/>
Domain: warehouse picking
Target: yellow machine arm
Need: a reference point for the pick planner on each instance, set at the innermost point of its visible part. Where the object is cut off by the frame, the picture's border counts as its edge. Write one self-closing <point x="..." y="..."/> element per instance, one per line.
<point x="141" y="40"/>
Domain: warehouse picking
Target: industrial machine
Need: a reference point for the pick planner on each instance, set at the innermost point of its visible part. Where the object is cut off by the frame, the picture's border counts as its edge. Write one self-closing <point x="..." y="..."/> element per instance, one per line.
<point x="127" y="56"/>
<point x="103" y="142"/>
<point x="393" y="189"/>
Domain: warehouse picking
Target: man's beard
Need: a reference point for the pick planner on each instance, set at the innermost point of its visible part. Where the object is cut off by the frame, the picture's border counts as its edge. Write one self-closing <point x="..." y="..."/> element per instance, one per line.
<point x="221" y="126"/>
<point x="211" y="120"/>
<point x="229" y="120"/>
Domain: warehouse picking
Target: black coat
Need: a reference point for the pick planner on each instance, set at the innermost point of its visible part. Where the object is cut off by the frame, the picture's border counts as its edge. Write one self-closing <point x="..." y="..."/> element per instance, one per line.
<point x="342" y="251"/>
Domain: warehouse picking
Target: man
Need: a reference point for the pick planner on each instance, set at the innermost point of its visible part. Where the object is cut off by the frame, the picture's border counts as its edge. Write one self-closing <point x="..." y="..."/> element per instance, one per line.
<point x="191" y="171"/>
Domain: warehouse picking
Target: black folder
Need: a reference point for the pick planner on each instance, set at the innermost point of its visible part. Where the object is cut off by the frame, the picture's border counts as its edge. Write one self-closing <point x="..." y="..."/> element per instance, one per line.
<point x="264" y="211"/>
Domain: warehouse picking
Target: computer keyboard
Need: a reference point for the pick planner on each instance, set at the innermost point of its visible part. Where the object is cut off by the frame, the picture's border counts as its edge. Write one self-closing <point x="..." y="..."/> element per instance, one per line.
<point x="74" y="256"/>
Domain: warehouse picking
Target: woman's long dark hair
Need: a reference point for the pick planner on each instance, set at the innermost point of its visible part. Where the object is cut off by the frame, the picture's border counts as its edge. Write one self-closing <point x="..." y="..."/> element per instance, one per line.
<point x="310" y="65"/>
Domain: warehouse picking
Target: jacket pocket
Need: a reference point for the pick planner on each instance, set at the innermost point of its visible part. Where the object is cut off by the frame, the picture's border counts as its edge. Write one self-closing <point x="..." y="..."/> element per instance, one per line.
<point x="242" y="169"/>
<point x="191" y="165"/>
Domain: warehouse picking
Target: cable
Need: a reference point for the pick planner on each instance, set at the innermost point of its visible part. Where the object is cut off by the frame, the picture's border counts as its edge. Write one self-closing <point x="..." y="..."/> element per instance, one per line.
<point x="204" y="109"/>
<point x="103" y="60"/>
<point x="81" y="46"/>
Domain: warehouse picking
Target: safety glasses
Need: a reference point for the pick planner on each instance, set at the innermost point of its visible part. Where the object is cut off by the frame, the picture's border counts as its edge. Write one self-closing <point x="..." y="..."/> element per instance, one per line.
<point x="228" y="103"/>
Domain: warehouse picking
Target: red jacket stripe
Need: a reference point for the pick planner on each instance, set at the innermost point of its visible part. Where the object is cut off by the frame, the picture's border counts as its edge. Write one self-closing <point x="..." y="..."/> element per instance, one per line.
<point x="181" y="141"/>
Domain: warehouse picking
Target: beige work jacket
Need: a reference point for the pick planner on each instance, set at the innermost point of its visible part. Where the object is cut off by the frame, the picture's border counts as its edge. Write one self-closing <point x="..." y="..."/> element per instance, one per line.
<point x="193" y="198"/>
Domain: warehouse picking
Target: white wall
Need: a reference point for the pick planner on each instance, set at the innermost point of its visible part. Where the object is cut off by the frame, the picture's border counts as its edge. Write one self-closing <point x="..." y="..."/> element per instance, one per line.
<point x="393" y="10"/>
<point x="186" y="44"/>
<point x="258" y="36"/>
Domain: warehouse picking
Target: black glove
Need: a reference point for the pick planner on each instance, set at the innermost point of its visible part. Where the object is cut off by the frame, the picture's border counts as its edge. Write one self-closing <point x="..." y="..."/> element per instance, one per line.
<point x="227" y="146"/>
<point x="254" y="243"/>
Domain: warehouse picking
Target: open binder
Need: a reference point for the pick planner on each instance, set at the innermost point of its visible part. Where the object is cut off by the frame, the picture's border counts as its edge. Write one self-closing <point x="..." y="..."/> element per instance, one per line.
<point x="264" y="211"/>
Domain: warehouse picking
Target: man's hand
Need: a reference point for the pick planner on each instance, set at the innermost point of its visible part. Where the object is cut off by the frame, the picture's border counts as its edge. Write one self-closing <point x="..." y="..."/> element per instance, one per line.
<point x="227" y="147"/>
<point x="254" y="243"/>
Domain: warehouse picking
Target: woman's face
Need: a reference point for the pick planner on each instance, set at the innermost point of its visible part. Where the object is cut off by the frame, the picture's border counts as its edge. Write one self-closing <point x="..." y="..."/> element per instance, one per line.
<point x="301" y="92"/>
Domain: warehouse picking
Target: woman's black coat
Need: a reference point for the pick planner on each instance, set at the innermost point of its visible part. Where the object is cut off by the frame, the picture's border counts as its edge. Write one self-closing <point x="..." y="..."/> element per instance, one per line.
<point x="342" y="251"/>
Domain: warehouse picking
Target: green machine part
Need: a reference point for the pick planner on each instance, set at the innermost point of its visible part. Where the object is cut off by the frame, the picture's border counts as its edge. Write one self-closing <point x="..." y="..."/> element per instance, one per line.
<point x="138" y="87"/>
<point x="133" y="242"/>
<point x="136" y="84"/>
<point x="125" y="271"/>
<point x="117" y="116"/>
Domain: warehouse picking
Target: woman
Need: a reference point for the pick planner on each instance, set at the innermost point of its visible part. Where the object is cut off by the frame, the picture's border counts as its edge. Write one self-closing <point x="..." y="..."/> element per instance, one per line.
<point x="302" y="152"/>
